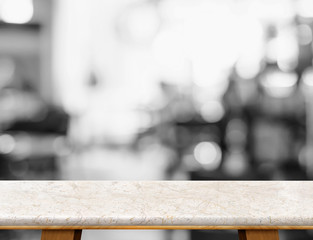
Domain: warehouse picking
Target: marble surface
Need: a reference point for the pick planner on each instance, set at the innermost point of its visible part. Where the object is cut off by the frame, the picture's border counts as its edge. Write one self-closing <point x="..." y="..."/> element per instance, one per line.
<point x="161" y="203"/>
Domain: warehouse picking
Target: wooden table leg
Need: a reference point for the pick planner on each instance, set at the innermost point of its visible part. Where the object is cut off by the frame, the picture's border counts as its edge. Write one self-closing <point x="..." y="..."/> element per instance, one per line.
<point x="258" y="235"/>
<point x="61" y="234"/>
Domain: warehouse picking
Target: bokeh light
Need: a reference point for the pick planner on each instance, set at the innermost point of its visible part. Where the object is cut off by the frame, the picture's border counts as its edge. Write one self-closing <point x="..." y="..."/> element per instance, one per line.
<point x="16" y="11"/>
<point x="208" y="154"/>
<point x="212" y="111"/>
<point x="279" y="84"/>
<point x="7" y="144"/>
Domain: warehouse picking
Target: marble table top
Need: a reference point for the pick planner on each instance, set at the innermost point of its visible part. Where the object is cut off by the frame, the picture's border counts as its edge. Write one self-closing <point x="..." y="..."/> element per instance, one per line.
<point x="105" y="204"/>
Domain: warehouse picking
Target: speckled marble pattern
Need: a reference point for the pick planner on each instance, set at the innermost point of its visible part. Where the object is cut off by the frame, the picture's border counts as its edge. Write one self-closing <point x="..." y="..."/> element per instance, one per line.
<point x="102" y="203"/>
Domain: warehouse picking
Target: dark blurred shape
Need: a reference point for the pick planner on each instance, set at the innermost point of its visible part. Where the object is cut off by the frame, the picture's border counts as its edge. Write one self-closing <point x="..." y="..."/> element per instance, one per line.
<point x="30" y="131"/>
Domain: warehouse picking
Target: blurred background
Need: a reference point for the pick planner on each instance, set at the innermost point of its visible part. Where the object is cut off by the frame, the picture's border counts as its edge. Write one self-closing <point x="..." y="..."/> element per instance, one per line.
<point x="156" y="90"/>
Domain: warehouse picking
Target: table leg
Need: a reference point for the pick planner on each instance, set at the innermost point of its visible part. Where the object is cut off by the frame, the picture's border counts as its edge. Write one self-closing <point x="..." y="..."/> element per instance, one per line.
<point x="61" y="234"/>
<point x="258" y="235"/>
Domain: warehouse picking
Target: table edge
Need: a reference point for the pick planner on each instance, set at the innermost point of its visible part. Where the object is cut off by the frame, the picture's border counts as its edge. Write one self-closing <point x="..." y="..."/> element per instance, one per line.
<point x="154" y="227"/>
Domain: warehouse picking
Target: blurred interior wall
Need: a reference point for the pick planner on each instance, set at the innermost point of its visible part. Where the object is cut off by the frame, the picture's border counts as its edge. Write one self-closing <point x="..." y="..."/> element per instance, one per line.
<point x="85" y="43"/>
<point x="98" y="76"/>
<point x="71" y="57"/>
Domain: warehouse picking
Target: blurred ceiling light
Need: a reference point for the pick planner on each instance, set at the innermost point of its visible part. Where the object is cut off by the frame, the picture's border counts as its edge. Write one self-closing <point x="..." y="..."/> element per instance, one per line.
<point x="287" y="65"/>
<point x="140" y="23"/>
<point x="304" y="8"/>
<point x="288" y="51"/>
<point x="7" y="144"/>
<point x="305" y="34"/>
<point x="208" y="154"/>
<point x="16" y="11"/>
<point x="212" y="111"/>
<point x="247" y="69"/>
<point x="307" y="77"/>
<point x="283" y="50"/>
<point x="279" y="84"/>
